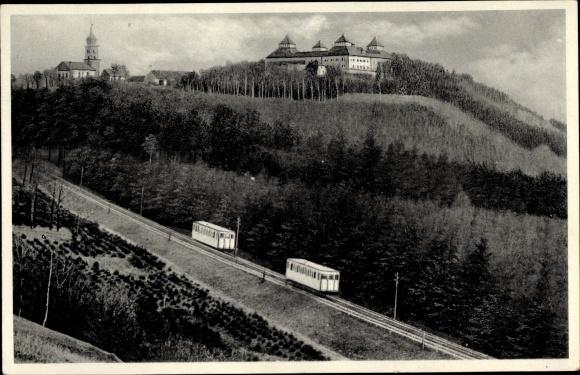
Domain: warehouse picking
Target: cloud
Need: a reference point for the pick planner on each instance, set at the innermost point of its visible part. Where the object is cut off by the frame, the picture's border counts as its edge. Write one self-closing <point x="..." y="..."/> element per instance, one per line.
<point x="530" y="76"/>
<point x="417" y="33"/>
<point x="159" y="41"/>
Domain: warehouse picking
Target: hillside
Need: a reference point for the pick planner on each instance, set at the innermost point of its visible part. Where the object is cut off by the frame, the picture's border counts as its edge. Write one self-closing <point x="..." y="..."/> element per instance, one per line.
<point x="367" y="187"/>
<point x="408" y="77"/>
<point x="34" y="343"/>
<point x="504" y="103"/>
<point x="427" y="124"/>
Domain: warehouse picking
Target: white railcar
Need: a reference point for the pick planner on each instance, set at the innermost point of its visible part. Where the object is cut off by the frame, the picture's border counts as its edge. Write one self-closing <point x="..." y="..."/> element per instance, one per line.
<point x="213" y="235"/>
<point x="312" y="275"/>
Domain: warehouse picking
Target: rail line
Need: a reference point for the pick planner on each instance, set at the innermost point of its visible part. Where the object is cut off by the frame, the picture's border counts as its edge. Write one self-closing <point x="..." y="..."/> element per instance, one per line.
<point x="410" y="332"/>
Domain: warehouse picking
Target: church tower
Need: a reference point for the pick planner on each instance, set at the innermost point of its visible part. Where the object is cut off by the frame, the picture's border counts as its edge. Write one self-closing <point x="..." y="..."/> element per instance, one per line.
<point x="92" y="52"/>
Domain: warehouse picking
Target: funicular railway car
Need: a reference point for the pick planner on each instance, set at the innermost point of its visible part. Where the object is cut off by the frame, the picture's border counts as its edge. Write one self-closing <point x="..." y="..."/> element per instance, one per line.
<point x="213" y="235"/>
<point x="312" y="275"/>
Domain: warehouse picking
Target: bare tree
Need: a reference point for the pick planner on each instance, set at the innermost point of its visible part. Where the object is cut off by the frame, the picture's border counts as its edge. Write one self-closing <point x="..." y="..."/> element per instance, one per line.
<point x="48" y="289"/>
<point x="21" y="251"/>
<point x="59" y="207"/>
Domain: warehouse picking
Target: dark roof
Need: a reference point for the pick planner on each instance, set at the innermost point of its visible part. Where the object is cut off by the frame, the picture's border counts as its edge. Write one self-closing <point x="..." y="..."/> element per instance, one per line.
<point x="74" y="65"/>
<point x="319" y="45"/>
<point x="287" y="40"/>
<point x="168" y="74"/>
<point x="342" y="39"/>
<point x="334" y="51"/>
<point x="283" y="52"/>
<point x="136" y="79"/>
<point x="374" y="43"/>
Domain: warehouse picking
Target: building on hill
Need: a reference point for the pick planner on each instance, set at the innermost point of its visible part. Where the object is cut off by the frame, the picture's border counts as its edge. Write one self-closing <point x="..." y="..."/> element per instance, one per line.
<point x="89" y="67"/>
<point x="344" y="55"/>
<point x="115" y="73"/>
<point x="164" y="77"/>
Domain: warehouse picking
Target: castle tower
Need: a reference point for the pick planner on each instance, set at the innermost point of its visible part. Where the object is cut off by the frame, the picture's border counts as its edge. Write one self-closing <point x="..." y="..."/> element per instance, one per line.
<point x="92" y="52"/>
<point x="375" y="46"/>
<point x="319" y="47"/>
<point x="343" y="42"/>
<point x="287" y="43"/>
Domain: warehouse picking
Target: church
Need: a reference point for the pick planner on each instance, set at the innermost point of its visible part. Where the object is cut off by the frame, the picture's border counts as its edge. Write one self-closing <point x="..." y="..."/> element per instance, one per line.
<point x="344" y="55"/>
<point x="89" y="67"/>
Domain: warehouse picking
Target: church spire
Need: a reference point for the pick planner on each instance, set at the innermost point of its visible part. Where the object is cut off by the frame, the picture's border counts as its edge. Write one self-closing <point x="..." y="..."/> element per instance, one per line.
<point x="92" y="51"/>
<point x="91" y="39"/>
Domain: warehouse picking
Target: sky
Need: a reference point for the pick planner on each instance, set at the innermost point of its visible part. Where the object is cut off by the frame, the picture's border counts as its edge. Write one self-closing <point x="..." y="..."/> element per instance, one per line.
<point x="520" y="52"/>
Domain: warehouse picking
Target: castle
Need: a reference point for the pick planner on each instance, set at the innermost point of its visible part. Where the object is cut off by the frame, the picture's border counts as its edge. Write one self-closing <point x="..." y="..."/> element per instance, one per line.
<point x="89" y="67"/>
<point x="344" y="55"/>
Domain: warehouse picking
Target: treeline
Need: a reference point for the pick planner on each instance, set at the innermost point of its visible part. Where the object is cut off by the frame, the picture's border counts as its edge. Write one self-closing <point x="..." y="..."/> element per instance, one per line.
<point x="92" y="113"/>
<point x="448" y="281"/>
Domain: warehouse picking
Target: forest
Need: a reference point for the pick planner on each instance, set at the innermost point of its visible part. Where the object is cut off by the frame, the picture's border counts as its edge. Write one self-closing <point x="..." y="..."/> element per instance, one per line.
<point x="367" y="210"/>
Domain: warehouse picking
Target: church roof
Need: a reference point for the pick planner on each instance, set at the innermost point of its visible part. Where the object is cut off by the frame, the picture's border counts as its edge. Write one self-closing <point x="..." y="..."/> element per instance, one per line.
<point x="287" y="40"/>
<point x="374" y="43"/>
<point x="319" y="45"/>
<point x="74" y="65"/>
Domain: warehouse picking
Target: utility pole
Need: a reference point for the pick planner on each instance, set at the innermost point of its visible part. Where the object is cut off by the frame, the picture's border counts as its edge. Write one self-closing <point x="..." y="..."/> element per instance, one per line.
<point x="82" y="173"/>
<point x="141" y="205"/>
<point x="239" y="221"/>
<point x="396" y="295"/>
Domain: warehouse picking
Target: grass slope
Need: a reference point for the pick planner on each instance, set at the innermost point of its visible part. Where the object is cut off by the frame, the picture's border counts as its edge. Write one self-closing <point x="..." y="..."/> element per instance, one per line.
<point x="430" y="125"/>
<point x="35" y="343"/>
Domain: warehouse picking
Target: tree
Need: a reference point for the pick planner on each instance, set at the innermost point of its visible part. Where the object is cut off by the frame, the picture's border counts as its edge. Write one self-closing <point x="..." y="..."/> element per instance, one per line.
<point x="150" y="146"/>
<point x="118" y="71"/>
<point x="37" y="77"/>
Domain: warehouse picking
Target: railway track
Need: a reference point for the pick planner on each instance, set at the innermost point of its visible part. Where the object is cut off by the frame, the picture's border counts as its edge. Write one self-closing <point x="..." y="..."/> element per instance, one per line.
<point x="410" y="332"/>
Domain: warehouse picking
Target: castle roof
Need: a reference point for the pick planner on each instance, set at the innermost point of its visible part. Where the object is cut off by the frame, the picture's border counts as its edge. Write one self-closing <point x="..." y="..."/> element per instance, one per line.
<point x="334" y="51"/>
<point x="74" y="65"/>
<point x="319" y="45"/>
<point x="374" y="43"/>
<point x="287" y="40"/>
<point x="283" y="52"/>
<point x="342" y="39"/>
